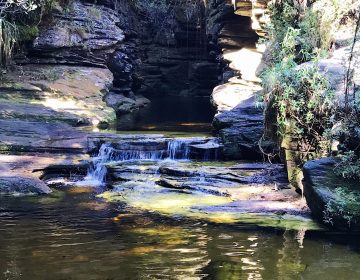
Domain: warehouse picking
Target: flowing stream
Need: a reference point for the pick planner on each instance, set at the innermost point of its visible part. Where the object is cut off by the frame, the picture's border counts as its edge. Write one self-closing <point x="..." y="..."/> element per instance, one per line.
<point x="175" y="150"/>
<point x="74" y="233"/>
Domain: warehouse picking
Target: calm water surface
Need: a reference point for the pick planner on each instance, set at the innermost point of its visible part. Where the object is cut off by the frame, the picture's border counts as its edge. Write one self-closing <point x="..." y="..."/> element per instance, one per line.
<point x="73" y="235"/>
<point x="172" y="113"/>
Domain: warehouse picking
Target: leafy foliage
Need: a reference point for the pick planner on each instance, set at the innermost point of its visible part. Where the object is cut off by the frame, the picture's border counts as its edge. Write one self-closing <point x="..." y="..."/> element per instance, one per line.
<point x="345" y="204"/>
<point x="162" y="14"/>
<point x="349" y="117"/>
<point x="299" y="95"/>
<point x="18" y="21"/>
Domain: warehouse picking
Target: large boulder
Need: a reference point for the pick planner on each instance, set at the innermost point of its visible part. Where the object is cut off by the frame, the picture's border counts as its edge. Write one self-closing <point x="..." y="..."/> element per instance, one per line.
<point x="57" y="93"/>
<point x="23" y="185"/>
<point x="125" y="104"/>
<point x="83" y="34"/>
<point x="239" y="122"/>
<point x="331" y="198"/>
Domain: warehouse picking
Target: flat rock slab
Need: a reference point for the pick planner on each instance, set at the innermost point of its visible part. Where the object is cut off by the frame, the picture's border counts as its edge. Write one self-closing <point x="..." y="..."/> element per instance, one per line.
<point x="241" y="193"/>
<point x="24" y="136"/>
<point x="50" y="93"/>
<point x="37" y="112"/>
<point x="22" y="185"/>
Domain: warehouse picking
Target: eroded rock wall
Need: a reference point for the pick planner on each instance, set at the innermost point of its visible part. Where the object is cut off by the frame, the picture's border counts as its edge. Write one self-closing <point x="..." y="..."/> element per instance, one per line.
<point x="233" y="37"/>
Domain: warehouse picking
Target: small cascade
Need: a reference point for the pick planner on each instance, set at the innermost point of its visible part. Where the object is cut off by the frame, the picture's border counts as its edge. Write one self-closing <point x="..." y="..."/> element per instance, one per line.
<point x="147" y="149"/>
<point x="121" y="155"/>
<point x="97" y="172"/>
<point x="178" y="149"/>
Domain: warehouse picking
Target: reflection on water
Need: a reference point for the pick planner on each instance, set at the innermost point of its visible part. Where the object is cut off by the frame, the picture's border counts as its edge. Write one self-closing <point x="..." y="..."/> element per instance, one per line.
<point x="171" y="113"/>
<point x="72" y="235"/>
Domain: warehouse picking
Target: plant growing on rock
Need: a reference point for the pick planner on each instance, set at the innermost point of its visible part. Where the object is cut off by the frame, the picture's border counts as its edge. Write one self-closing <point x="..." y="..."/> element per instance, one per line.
<point x="18" y="21"/>
<point x="344" y="205"/>
<point x="349" y="134"/>
<point x="162" y="15"/>
<point x="294" y="91"/>
<point x="298" y="94"/>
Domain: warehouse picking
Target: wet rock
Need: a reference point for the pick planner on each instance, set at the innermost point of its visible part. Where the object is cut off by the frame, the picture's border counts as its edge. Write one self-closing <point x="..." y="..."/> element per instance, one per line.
<point x="206" y="151"/>
<point x="156" y="146"/>
<point x="23" y="185"/>
<point x="210" y="192"/>
<point x="177" y="171"/>
<point x="65" y="170"/>
<point x="320" y="184"/>
<point x="124" y="105"/>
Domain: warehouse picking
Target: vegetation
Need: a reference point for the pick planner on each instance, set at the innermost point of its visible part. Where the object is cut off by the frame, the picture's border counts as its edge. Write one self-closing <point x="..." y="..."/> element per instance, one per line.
<point x="297" y="92"/>
<point x="19" y="21"/>
<point x="162" y="14"/>
<point x="345" y="204"/>
<point x="349" y="117"/>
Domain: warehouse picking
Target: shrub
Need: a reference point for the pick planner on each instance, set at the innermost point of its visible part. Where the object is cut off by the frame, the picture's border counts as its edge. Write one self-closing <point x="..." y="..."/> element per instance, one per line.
<point x="18" y="21"/>
<point x="299" y="95"/>
<point x="162" y="14"/>
<point x="345" y="204"/>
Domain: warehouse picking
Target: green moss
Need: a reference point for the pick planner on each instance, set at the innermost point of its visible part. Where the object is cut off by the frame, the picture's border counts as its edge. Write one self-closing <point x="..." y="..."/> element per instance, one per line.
<point x="27" y="32"/>
<point x="193" y="207"/>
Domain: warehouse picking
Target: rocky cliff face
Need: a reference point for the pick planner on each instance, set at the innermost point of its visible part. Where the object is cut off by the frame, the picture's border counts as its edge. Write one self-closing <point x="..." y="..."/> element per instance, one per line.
<point x="230" y="26"/>
<point x="209" y="44"/>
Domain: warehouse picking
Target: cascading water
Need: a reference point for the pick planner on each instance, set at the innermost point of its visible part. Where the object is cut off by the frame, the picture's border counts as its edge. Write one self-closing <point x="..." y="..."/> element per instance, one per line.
<point x="177" y="149"/>
<point x="97" y="171"/>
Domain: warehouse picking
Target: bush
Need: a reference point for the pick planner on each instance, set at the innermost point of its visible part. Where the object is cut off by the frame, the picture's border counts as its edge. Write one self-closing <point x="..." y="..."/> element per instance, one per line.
<point x="18" y="21"/>
<point x="162" y="14"/>
<point x="299" y="95"/>
<point x="345" y="204"/>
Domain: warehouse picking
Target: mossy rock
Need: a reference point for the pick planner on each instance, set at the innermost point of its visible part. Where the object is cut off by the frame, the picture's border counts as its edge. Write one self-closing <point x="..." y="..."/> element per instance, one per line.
<point x="333" y="200"/>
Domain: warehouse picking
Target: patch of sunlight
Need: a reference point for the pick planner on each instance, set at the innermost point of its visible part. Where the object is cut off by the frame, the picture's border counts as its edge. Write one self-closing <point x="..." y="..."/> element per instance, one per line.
<point x="60" y="104"/>
<point x="93" y="206"/>
<point x="246" y="61"/>
<point x="167" y="204"/>
<point x="194" y="124"/>
<point x="54" y="197"/>
<point x="199" y="207"/>
<point x="160" y="231"/>
<point x="232" y="94"/>
<point x="139" y="251"/>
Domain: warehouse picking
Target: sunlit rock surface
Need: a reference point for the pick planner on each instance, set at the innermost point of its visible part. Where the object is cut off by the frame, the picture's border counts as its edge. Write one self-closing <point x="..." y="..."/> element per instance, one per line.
<point x="43" y="93"/>
<point x="217" y="192"/>
<point x="239" y="121"/>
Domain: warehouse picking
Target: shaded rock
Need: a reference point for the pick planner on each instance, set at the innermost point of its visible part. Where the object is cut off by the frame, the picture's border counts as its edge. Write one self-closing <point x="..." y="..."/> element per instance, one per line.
<point x="177" y="171"/>
<point x="320" y="184"/>
<point x="63" y="170"/>
<point x="240" y="130"/>
<point x="125" y="105"/>
<point x="83" y="35"/>
<point x="23" y="185"/>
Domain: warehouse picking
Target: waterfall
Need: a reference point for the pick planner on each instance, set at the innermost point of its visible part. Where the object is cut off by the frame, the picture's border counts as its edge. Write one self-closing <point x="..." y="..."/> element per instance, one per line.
<point x="97" y="172"/>
<point x="178" y="149"/>
<point x="169" y="149"/>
